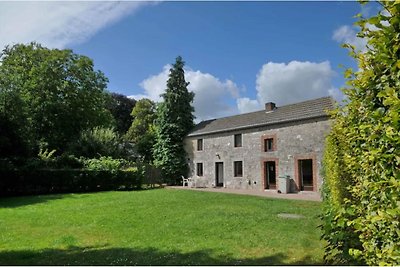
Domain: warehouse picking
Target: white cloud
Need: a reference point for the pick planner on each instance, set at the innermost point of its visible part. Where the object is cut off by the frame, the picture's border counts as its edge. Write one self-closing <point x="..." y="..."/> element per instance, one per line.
<point x="154" y="85"/>
<point x="293" y="82"/>
<point x="348" y="35"/>
<point x="246" y="105"/>
<point x="212" y="96"/>
<point x="290" y="83"/>
<point x="58" y="24"/>
<point x="276" y="82"/>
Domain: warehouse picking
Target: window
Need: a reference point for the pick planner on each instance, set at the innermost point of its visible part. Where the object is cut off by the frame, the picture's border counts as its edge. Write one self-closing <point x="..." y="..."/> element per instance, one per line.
<point x="238" y="168"/>
<point x="199" y="144"/>
<point x="199" y="169"/>
<point x="238" y="140"/>
<point x="268" y="144"/>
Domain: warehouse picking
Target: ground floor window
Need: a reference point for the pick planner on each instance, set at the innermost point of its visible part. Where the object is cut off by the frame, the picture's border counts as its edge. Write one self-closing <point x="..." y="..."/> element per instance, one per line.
<point x="238" y="168"/>
<point x="199" y="169"/>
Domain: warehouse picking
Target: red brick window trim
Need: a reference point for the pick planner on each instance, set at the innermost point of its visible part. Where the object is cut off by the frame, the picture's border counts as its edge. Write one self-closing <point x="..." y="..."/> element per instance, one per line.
<point x="268" y="142"/>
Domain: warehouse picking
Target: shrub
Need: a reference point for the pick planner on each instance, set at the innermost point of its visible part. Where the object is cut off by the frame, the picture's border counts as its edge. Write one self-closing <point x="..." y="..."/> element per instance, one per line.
<point x="362" y="160"/>
<point x="98" y="142"/>
<point x="104" y="164"/>
<point x="42" y="181"/>
<point x="67" y="173"/>
<point x="337" y="214"/>
<point x="66" y="161"/>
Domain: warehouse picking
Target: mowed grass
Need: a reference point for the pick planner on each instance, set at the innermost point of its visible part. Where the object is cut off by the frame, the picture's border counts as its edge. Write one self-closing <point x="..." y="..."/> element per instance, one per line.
<point x="157" y="227"/>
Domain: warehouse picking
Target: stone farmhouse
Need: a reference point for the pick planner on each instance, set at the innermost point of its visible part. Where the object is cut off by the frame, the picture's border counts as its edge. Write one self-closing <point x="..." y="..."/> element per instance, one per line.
<point x="255" y="150"/>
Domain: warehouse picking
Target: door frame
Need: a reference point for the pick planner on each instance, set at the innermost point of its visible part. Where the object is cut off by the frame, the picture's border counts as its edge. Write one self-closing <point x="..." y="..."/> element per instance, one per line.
<point x="298" y="179"/>
<point x="221" y="164"/>
<point x="264" y="173"/>
<point x="267" y="176"/>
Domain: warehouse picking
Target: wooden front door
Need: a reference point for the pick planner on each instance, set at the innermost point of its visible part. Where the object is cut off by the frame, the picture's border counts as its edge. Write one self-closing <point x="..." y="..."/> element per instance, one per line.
<point x="270" y="175"/>
<point x="306" y="174"/>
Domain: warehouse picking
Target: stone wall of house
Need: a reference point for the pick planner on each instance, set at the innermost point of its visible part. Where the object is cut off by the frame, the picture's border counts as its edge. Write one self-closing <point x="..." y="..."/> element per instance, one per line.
<point x="292" y="141"/>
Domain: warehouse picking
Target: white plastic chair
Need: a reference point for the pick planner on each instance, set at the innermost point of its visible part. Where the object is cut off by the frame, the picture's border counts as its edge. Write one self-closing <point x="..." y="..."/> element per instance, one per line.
<point x="185" y="180"/>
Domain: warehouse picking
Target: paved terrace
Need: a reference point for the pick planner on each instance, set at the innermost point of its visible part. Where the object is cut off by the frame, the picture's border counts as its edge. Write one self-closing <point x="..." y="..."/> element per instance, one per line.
<point x="312" y="196"/>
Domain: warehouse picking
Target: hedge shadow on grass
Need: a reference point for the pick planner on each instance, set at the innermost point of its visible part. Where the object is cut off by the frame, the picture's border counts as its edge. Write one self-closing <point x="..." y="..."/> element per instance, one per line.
<point x="127" y="256"/>
<point x="15" y="202"/>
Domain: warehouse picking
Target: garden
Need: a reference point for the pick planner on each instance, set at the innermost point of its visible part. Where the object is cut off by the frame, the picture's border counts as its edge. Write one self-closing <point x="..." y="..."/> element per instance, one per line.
<point x="158" y="227"/>
<point x="75" y="161"/>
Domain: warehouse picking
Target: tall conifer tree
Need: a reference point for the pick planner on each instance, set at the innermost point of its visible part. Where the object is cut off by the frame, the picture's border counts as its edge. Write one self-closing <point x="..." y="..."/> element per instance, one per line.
<point x="174" y="121"/>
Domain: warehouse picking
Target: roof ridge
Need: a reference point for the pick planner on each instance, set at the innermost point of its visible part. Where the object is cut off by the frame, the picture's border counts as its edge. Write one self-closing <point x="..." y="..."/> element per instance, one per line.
<point x="277" y="107"/>
<point x="307" y="109"/>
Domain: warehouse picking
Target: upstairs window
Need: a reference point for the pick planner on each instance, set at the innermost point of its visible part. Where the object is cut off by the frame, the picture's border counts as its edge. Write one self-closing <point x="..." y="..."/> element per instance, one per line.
<point x="199" y="169"/>
<point x="268" y="144"/>
<point x="237" y="168"/>
<point x="199" y="144"/>
<point x="238" y="140"/>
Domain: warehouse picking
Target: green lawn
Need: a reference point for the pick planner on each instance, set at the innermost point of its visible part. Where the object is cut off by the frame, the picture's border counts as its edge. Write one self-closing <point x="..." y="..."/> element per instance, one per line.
<point x="157" y="227"/>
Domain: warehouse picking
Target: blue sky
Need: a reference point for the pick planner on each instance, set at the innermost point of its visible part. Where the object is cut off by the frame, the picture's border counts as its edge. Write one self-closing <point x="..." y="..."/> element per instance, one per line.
<point x="238" y="55"/>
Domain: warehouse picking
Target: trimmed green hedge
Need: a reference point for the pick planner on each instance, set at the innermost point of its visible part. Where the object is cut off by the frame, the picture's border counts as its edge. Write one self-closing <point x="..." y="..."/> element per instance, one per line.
<point x="362" y="156"/>
<point x="43" y="181"/>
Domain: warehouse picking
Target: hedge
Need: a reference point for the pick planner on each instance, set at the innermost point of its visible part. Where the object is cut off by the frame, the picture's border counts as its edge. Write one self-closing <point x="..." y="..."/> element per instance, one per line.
<point x="362" y="157"/>
<point x="43" y="181"/>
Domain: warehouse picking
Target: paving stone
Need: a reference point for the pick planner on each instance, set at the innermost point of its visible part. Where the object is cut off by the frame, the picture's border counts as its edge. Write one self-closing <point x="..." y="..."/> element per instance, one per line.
<point x="290" y="216"/>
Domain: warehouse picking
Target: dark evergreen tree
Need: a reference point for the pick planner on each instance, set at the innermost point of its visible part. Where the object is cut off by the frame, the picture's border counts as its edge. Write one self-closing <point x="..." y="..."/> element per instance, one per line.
<point x="174" y="121"/>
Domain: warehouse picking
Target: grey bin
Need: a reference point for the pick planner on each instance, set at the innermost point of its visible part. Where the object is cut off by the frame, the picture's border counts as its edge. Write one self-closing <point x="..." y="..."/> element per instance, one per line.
<point x="284" y="184"/>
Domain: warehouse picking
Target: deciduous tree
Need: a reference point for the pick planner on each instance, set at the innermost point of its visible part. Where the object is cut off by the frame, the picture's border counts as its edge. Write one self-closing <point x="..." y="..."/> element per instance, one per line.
<point x="51" y="95"/>
<point x="142" y="131"/>
<point x="121" y="107"/>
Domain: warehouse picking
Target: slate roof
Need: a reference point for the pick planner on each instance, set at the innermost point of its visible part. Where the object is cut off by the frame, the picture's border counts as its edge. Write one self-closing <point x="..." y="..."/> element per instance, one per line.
<point x="310" y="109"/>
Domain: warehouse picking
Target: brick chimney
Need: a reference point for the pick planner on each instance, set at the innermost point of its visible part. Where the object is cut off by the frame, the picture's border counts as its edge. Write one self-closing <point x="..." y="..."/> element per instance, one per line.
<point x="270" y="106"/>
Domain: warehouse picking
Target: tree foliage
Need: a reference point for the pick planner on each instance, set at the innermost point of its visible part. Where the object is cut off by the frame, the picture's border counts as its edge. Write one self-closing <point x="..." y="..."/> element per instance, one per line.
<point x="142" y="131"/>
<point x="121" y="107"/>
<point x="362" y="158"/>
<point x="50" y="95"/>
<point x="97" y="142"/>
<point x="11" y="143"/>
<point x="174" y="121"/>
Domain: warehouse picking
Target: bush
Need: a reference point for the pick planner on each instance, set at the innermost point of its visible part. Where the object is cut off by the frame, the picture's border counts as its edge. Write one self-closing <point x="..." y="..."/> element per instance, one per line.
<point x="66" y="161"/>
<point x="99" y="142"/>
<point x="340" y="236"/>
<point x="22" y="182"/>
<point x="362" y="160"/>
<point x="104" y="164"/>
<point x="67" y="173"/>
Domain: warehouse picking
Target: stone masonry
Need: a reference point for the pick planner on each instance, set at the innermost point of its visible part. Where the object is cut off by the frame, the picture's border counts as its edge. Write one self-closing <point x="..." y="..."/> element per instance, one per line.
<point x="292" y="142"/>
